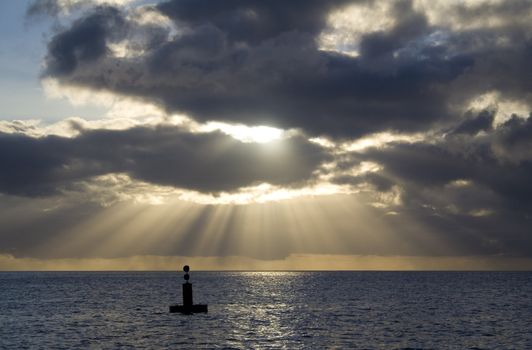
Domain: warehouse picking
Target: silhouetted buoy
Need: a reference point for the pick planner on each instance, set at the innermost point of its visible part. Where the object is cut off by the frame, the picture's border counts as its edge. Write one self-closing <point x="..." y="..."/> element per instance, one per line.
<point x="188" y="306"/>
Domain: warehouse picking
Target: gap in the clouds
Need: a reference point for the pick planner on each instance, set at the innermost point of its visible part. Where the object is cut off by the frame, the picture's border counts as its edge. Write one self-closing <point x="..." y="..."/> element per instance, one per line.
<point x="244" y="133"/>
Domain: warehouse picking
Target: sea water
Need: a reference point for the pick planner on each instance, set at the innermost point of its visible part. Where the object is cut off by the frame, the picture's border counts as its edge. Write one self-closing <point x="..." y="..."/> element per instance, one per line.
<point x="262" y="310"/>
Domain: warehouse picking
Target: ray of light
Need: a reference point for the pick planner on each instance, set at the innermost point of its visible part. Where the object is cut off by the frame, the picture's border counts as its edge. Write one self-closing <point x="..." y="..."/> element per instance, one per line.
<point x="341" y="224"/>
<point x="88" y="236"/>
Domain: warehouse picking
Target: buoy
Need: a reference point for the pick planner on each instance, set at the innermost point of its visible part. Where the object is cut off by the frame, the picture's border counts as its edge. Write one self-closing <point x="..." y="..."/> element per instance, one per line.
<point x="188" y="306"/>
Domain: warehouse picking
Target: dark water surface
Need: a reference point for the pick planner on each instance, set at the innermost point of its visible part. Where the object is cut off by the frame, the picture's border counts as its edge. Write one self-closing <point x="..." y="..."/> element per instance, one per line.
<point x="278" y="310"/>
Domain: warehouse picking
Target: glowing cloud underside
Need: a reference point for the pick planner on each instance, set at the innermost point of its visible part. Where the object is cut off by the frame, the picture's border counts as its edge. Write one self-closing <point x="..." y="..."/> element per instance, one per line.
<point x="244" y="133"/>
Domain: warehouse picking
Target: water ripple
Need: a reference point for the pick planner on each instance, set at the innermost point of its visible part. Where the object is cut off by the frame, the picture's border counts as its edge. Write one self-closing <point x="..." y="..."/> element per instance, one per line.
<point x="307" y="310"/>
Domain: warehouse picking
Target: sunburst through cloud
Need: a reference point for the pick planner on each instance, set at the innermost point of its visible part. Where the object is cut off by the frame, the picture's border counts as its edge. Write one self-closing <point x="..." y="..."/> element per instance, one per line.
<point x="166" y="104"/>
<point x="268" y="135"/>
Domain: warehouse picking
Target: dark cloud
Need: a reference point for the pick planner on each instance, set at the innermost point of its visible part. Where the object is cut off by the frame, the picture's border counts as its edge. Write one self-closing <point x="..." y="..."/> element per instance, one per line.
<point x="380" y="183"/>
<point x="469" y="189"/>
<point x="210" y="162"/>
<point x="382" y="45"/>
<point x="85" y="42"/>
<point x="424" y="164"/>
<point x="28" y="163"/>
<point x="473" y="125"/>
<point x="253" y="21"/>
<point x="500" y="162"/>
<point x="259" y="63"/>
<point x="513" y="140"/>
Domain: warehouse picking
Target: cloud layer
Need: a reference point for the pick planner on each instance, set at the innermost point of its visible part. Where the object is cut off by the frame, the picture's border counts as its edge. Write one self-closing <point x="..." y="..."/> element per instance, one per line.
<point x="162" y="155"/>
<point x="417" y="111"/>
<point x="261" y="63"/>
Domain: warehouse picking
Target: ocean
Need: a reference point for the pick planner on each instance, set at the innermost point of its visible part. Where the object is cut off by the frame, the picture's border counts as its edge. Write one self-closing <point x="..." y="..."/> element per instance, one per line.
<point x="267" y="310"/>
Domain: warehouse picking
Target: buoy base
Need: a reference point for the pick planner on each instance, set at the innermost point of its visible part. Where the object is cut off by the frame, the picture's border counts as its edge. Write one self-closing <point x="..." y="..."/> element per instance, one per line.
<point x="188" y="310"/>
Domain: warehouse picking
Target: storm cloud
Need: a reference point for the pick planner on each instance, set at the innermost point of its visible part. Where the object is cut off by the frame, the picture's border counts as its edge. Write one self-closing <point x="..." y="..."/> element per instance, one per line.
<point x="163" y="155"/>
<point x="470" y="184"/>
<point x="260" y="63"/>
<point x="499" y="161"/>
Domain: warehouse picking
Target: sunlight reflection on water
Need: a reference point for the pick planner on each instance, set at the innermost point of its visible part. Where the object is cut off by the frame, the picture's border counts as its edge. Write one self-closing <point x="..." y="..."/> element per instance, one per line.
<point x="291" y="310"/>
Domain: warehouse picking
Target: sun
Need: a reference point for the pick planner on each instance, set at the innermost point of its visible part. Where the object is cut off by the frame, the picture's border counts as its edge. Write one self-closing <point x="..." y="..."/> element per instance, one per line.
<point x="248" y="134"/>
<point x="260" y="134"/>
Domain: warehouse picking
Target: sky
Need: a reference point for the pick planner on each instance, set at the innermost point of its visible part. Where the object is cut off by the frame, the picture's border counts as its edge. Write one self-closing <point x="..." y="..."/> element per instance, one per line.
<point x="265" y="135"/>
